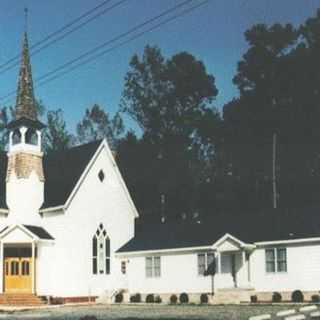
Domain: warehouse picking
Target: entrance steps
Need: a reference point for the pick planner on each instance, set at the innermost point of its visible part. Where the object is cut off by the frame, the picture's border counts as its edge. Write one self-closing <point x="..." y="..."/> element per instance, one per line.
<point x="231" y="296"/>
<point x="20" y="299"/>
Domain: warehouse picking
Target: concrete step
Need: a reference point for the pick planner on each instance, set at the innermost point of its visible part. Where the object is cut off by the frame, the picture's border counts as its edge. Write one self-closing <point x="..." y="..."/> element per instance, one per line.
<point x="231" y="296"/>
<point x="20" y="299"/>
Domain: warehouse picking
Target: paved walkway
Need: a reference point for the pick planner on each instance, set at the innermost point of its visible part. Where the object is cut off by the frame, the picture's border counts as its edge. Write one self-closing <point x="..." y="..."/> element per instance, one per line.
<point x="139" y="312"/>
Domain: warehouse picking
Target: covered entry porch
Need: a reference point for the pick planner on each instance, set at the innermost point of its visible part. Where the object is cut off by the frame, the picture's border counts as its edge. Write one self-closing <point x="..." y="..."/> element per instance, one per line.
<point x="18" y="256"/>
<point x="232" y="259"/>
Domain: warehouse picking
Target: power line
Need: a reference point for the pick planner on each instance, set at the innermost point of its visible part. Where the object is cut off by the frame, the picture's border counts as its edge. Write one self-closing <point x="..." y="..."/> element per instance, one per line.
<point x="66" y="26"/>
<point x="92" y="51"/>
<point x="96" y="56"/>
<point x="182" y="13"/>
<point x="122" y="35"/>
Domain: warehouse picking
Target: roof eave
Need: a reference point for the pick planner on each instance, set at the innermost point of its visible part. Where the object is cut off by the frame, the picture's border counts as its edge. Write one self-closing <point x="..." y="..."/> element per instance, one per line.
<point x="53" y="209"/>
<point x="287" y="241"/>
<point x="158" y="251"/>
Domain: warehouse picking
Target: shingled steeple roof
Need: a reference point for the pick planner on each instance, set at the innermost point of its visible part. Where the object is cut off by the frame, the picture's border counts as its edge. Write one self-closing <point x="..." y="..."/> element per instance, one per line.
<point x="25" y="105"/>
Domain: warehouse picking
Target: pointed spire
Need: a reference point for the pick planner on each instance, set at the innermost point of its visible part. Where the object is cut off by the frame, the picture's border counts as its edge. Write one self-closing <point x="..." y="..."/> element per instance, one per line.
<point x="25" y="105"/>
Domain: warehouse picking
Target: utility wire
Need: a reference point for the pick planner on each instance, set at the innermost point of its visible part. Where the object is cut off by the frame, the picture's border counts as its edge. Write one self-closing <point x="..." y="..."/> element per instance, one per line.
<point x="53" y="34"/>
<point x="95" y="49"/>
<point x="138" y="35"/>
<point x="122" y="35"/>
<point x="157" y="26"/>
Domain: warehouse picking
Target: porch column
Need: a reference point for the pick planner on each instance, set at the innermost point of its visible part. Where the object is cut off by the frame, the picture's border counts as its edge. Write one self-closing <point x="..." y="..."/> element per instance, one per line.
<point x="33" y="268"/>
<point x="248" y="268"/>
<point x="219" y="261"/>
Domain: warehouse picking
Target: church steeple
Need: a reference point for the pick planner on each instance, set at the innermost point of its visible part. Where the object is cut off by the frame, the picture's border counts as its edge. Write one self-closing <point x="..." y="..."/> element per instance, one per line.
<point x="25" y="105"/>
<point x="25" y="175"/>
<point x="25" y="154"/>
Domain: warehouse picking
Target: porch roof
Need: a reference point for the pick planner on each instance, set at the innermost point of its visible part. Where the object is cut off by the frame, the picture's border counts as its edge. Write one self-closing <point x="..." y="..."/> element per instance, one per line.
<point x="37" y="231"/>
<point x="40" y="232"/>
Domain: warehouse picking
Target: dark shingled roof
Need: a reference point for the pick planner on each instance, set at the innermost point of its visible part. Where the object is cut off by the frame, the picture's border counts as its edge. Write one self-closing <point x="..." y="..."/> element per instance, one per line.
<point x="62" y="170"/>
<point x="35" y="124"/>
<point x="268" y="225"/>
<point x="39" y="232"/>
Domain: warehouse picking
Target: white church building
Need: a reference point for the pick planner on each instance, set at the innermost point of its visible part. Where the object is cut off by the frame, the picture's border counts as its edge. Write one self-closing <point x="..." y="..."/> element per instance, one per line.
<point x="67" y="231"/>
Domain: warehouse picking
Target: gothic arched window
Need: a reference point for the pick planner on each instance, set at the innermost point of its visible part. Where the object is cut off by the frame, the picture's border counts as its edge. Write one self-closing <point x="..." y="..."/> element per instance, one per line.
<point x="16" y="137"/>
<point x="101" y="251"/>
<point x="32" y="137"/>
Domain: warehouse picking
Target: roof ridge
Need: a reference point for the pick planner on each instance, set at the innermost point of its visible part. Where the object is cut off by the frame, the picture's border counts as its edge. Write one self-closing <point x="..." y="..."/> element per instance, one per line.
<point x="52" y="153"/>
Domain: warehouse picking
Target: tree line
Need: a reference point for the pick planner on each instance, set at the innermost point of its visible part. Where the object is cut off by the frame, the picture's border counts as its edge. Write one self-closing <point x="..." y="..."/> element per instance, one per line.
<point x="191" y="160"/>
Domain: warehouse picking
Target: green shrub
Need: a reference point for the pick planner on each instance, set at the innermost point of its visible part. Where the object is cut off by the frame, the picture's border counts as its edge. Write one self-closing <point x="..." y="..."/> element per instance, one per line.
<point x="119" y="298"/>
<point x="150" y="298"/>
<point x="297" y="296"/>
<point x="173" y="299"/>
<point x="184" y="298"/>
<point x="204" y="298"/>
<point x="315" y="298"/>
<point x="254" y="299"/>
<point x="276" y="297"/>
<point x="136" y="298"/>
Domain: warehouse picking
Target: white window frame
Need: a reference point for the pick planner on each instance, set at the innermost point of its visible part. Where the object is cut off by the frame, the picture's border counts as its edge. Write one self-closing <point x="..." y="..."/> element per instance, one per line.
<point x="153" y="271"/>
<point x="276" y="260"/>
<point x="205" y="254"/>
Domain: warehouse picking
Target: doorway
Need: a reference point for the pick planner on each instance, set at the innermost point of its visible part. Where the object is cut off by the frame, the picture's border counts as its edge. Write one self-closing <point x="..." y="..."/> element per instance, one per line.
<point x="18" y="266"/>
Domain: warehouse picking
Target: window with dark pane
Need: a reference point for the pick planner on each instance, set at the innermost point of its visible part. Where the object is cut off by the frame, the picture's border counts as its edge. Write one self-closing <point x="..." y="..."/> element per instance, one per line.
<point x="101" y="175"/>
<point x="270" y="260"/>
<point x="281" y="260"/>
<point x="107" y="265"/>
<point x="123" y="267"/>
<point x="94" y="255"/>
<point x="101" y="251"/>
<point x="276" y="260"/>
<point x="16" y="137"/>
<point x="201" y="264"/>
<point x="14" y="268"/>
<point x="25" y="268"/>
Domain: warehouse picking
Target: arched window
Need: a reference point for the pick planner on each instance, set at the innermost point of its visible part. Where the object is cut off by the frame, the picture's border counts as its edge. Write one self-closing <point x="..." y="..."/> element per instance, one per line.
<point x="32" y="137"/>
<point x="16" y="137"/>
<point x="101" y="251"/>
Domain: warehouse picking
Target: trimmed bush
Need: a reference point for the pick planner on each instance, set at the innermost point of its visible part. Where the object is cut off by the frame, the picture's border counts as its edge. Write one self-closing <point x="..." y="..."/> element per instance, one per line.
<point x="173" y="299"/>
<point x="297" y="296"/>
<point x="183" y="298"/>
<point x="315" y="298"/>
<point x="276" y="297"/>
<point x="136" y="298"/>
<point x="118" y="298"/>
<point x="157" y="299"/>
<point x="150" y="298"/>
<point x="204" y="298"/>
<point x="254" y="299"/>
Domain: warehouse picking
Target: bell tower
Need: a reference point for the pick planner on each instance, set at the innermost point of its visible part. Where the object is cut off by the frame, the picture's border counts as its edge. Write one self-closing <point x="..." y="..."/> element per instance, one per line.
<point x="25" y="177"/>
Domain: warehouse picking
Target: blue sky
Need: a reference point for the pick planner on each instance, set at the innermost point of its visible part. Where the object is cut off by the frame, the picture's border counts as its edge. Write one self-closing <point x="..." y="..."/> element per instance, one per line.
<point x="213" y="33"/>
